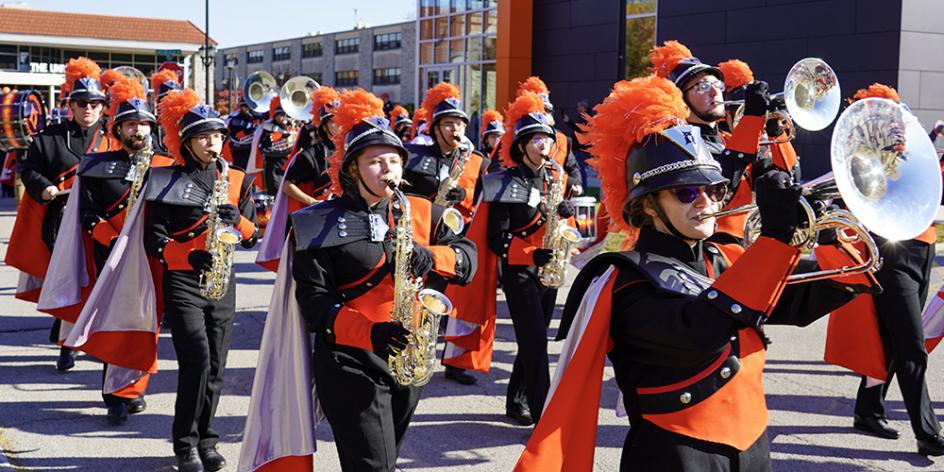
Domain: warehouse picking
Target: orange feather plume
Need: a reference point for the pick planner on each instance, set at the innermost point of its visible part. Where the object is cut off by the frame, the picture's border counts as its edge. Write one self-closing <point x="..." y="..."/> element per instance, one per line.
<point x="76" y="69"/>
<point x="877" y="90"/>
<point x="172" y="108"/>
<point x="437" y="94"/>
<point x="527" y="102"/>
<point x="120" y="91"/>
<point x="274" y="105"/>
<point x="395" y="114"/>
<point x="159" y="78"/>
<point x="533" y="84"/>
<point x="108" y="78"/>
<point x="356" y="106"/>
<point x="419" y="117"/>
<point x="323" y="96"/>
<point x="664" y="58"/>
<point x="488" y="117"/>
<point x="633" y="110"/>
<point x="736" y="73"/>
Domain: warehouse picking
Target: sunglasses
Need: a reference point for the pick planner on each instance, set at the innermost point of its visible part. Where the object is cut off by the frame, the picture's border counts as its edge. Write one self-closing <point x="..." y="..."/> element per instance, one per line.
<point x="704" y="86"/>
<point x="539" y="140"/>
<point x="89" y="104"/>
<point x="690" y="193"/>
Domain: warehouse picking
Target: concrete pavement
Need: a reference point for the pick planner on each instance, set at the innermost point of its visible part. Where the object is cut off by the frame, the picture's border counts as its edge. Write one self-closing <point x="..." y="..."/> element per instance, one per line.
<point x="55" y="421"/>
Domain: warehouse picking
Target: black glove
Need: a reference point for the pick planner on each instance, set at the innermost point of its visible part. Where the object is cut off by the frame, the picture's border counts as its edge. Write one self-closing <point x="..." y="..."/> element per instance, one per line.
<point x="826" y="236"/>
<point x="229" y="214"/>
<point x="200" y="260"/>
<point x="772" y="127"/>
<point x="756" y="99"/>
<point x="455" y="195"/>
<point x="565" y="209"/>
<point x="421" y="261"/>
<point x="251" y="242"/>
<point x="777" y="103"/>
<point x="778" y="202"/>
<point x="542" y="257"/>
<point x="388" y="337"/>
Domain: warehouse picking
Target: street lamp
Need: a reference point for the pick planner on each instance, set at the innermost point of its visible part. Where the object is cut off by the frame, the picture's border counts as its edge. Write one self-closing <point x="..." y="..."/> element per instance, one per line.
<point x="230" y="71"/>
<point x="208" y="52"/>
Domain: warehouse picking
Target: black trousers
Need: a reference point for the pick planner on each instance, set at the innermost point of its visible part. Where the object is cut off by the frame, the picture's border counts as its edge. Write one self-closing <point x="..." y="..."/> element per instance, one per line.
<point x="368" y="410"/>
<point x="531" y="306"/>
<point x="241" y="158"/>
<point x="648" y="447"/>
<point x="200" y="330"/>
<point x="273" y="173"/>
<point x="905" y="277"/>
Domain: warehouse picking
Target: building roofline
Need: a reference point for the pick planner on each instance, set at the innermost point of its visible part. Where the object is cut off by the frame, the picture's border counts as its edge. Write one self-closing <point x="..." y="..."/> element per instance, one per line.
<point x="263" y="43"/>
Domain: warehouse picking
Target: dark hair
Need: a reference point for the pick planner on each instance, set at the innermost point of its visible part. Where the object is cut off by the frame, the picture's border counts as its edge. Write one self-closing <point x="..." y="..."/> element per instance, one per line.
<point x="634" y="212"/>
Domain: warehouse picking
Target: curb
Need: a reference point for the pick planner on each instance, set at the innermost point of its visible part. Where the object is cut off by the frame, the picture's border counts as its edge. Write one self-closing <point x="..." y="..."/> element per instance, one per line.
<point x="4" y="461"/>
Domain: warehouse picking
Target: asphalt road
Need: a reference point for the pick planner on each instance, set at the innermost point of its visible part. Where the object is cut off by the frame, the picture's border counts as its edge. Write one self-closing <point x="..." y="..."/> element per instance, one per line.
<point x="56" y="421"/>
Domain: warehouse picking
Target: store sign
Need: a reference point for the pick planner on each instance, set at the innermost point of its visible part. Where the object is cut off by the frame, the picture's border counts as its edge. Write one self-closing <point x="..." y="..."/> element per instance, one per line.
<point x="47" y="68"/>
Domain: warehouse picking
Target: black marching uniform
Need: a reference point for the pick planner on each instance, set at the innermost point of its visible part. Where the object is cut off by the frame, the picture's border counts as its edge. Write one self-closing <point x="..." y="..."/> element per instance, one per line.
<point x="274" y="154"/>
<point x="309" y="170"/>
<point x="427" y="166"/>
<point x="241" y="128"/>
<point x="175" y="225"/>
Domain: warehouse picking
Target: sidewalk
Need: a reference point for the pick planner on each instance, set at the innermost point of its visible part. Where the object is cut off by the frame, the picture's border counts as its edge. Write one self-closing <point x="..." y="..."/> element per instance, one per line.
<point x="55" y="421"/>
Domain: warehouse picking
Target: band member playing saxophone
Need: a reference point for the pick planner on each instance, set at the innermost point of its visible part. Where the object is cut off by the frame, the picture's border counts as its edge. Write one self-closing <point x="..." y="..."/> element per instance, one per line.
<point x="179" y="198"/>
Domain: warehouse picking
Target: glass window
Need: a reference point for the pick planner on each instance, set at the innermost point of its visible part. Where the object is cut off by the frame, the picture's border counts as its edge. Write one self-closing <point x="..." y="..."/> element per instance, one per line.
<point x="98" y="57"/>
<point x="457" y="50"/>
<point x="74" y="53"/>
<point x="9" y="58"/>
<point x="442" y="27"/>
<point x="491" y="22"/>
<point x="457" y="26"/>
<point x="312" y="50"/>
<point x="488" y="50"/>
<point x="281" y="53"/>
<point x="476" y="4"/>
<point x="472" y="88"/>
<point x="473" y="52"/>
<point x="426" y="29"/>
<point x="146" y="69"/>
<point x="316" y="76"/>
<point x="443" y="7"/>
<point x="442" y="51"/>
<point x="457" y="6"/>
<point x="115" y="57"/>
<point x="640" y="36"/>
<point x="346" y="46"/>
<point x="347" y="78"/>
<point x="489" y="84"/>
<point x="387" y="76"/>
<point x="255" y="57"/>
<point x="426" y="8"/>
<point x="145" y="59"/>
<point x="473" y="23"/>
<point x="383" y="42"/>
<point x="231" y="58"/>
<point x="426" y="53"/>
<point x="432" y="78"/>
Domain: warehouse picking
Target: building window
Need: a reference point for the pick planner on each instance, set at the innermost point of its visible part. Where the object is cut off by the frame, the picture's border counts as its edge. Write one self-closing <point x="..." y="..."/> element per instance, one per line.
<point x="387" y="76"/>
<point x="231" y="59"/>
<point x="255" y="57"/>
<point x="316" y="76"/>
<point x="9" y="59"/>
<point x="311" y="50"/>
<point x="383" y="42"/>
<point x="346" y="46"/>
<point x="281" y="53"/>
<point x="347" y="78"/>
<point x="640" y="36"/>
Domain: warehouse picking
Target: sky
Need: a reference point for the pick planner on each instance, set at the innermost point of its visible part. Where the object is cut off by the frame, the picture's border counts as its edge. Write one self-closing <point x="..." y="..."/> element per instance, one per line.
<point x="238" y="22"/>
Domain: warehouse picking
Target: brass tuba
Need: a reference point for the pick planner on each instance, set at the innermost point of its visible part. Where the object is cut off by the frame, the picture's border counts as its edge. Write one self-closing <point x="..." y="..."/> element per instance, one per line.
<point x="221" y="240"/>
<point x="259" y="89"/>
<point x="415" y="308"/>
<point x="559" y="237"/>
<point x="295" y="96"/>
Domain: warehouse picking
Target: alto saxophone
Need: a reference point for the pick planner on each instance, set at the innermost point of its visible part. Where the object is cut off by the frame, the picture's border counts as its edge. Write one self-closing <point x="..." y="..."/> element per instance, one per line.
<point x="141" y="163"/>
<point x="221" y="240"/>
<point x="559" y="237"/>
<point x="415" y="308"/>
<point x="464" y="153"/>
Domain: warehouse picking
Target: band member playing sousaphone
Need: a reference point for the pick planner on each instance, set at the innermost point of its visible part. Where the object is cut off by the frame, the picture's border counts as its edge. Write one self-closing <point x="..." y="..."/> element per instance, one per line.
<point x="48" y="171"/>
<point x="242" y="126"/>
<point x="306" y="178"/>
<point x="352" y="254"/>
<point x="197" y="210"/>
<point x="275" y="145"/>
<point x="681" y="320"/>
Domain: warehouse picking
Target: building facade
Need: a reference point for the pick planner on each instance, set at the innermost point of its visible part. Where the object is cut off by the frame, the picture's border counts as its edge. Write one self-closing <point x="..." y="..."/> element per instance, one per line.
<point x="380" y="59"/>
<point x="35" y="46"/>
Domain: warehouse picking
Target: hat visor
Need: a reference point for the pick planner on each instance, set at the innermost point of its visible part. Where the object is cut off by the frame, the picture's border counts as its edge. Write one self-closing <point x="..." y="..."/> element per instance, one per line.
<point x="203" y="128"/>
<point x="701" y="175"/>
<point x="86" y="95"/>
<point x="682" y="80"/>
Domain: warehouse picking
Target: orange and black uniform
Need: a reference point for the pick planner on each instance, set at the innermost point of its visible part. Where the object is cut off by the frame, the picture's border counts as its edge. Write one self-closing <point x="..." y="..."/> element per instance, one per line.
<point x="688" y="345"/>
<point x="343" y="266"/>
<point x="241" y="127"/>
<point x="309" y="172"/>
<point x="515" y="231"/>
<point x="427" y="166"/>
<point x="275" y="152"/>
<point x="175" y="226"/>
<point x="103" y="206"/>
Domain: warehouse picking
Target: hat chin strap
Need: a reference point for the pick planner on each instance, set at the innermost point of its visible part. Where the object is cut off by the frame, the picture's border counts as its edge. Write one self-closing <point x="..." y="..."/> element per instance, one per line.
<point x="665" y="219"/>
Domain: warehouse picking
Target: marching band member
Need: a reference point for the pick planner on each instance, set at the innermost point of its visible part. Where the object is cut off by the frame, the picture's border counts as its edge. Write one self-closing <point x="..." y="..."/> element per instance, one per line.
<point x="48" y="170"/>
<point x="702" y="87"/>
<point x="881" y="335"/>
<point x="306" y="179"/>
<point x="429" y="165"/>
<point x="241" y="125"/>
<point x="401" y="123"/>
<point x="343" y="268"/>
<point x="563" y="147"/>
<point x="492" y="131"/>
<point x="680" y="318"/>
<point x="176" y="232"/>
<point x="105" y="191"/>
<point x="275" y="145"/>
<point x="162" y="83"/>
<point x="419" y="134"/>
<point x="516" y="226"/>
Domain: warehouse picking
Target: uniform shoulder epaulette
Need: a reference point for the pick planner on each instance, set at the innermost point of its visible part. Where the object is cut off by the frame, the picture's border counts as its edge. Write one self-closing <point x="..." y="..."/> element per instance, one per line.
<point x="105" y="165"/>
<point x="504" y="187"/>
<point x="421" y="159"/>
<point x="328" y="224"/>
<point x="173" y="186"/>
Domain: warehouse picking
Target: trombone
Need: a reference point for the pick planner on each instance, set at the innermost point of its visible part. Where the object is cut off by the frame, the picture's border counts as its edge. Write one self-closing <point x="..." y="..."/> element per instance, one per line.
<point x="812" y="94"/>
<point x="884" y="167"/>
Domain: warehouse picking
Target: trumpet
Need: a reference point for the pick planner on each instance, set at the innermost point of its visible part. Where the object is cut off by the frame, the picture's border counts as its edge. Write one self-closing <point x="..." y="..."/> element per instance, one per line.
<point x="884" y="166"/>
<point x="812" y="94"/>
